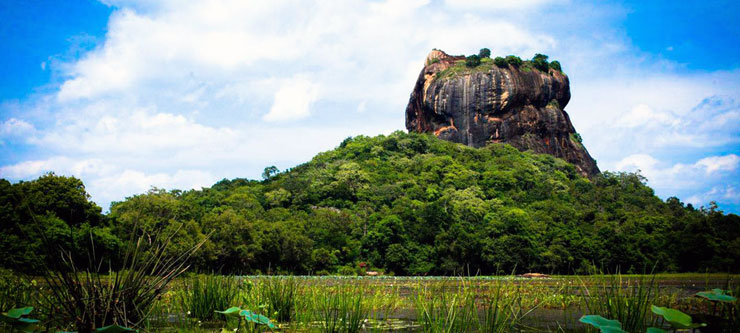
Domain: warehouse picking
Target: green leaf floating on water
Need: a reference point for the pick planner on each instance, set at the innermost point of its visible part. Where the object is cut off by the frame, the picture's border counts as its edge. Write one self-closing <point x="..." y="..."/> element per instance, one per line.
<point x="676" y="318"/>
<point x="18" y="312"/>
<point x="605" y="325"/>
<point x="114" y="329"/>
<point x="231" y="312"/>
<point x="717" y="295"/>
<point x="256" y="318"/>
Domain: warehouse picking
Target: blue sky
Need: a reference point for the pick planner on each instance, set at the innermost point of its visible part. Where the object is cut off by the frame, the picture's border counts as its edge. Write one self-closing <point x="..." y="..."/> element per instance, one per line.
<point x="129" y="94"/>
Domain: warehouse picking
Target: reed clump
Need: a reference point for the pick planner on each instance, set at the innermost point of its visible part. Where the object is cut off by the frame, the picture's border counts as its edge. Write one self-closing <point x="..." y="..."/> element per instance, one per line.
<point x="622" y="299"/>
<point x="202" y="294"/>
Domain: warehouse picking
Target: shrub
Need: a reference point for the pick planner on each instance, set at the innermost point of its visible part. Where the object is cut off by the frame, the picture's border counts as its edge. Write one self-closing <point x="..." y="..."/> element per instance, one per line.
<point x="472" y="61"/>
<point x="484" y="53"/>
<point x="556" y="66"/>
<point x="577" y="137"/>
<point x="500" y="62"/>
<point x="514" y="60"/>
<point x="540" y="62"/>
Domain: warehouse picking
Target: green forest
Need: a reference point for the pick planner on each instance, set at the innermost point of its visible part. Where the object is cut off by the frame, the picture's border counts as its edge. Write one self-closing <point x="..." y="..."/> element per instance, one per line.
<point x="403" y="204"/>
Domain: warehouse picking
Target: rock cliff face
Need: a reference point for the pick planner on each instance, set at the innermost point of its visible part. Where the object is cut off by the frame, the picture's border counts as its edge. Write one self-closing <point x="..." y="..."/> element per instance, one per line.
<point x="491" y="104"/>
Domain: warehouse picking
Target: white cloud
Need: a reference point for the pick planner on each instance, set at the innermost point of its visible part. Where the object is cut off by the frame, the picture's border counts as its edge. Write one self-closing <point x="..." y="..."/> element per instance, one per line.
<point x="643" y="115"/>
<point x="57" y="164"/>
<point x="719" y="163"/>
<point x="293" y="100"/>
<point x="15" y="127"/>
<point x="496" y="4"/>
<point x="205" y="89"/>
<point x="726" y="193"/>
<point x="719" y="173"/>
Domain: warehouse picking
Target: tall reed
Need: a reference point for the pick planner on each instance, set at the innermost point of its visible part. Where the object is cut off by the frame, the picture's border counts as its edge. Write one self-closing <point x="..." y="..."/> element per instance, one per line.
<point x="278" y="295"/>
<point x="502" y="310"/>
<point x="203" y="294"/>
<point x="90" y="298"/>
<point x="625" y="300"/>
<point x="342" y="310"/>
<point x="444" y="311"/>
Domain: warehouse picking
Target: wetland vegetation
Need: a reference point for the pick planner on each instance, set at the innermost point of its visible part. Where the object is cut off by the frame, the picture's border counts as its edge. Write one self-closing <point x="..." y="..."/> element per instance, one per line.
<point x="421" y="304"/>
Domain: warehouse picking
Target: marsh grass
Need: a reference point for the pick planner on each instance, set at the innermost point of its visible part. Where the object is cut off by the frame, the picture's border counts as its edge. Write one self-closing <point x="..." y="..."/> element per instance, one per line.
<point x="623" y="299"/>
<point x="341" y="309"/>
<point x="503" y="309"/>
<point x="446" y="308"/>
<point x="90" y="298"/>
<point x="274" y="296"/>
<point x="202" y="294"/>
<point x="17" y="291"/>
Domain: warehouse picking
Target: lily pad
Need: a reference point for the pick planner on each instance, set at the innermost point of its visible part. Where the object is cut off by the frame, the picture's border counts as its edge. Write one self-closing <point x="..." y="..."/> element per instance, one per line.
<point x="18" y="312"/>
<point x="676" y="318"/>
<point x="717" y="295"/>
<point x="231" y="312"/>
<point x="114" y="329"/>
<point x="603" y="324"/>
<point x="256" y="318"/>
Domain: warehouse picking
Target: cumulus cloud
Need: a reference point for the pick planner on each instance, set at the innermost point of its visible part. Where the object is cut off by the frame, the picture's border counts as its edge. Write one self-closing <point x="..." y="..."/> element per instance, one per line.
<point x="15" y="126"/>
<point x="496" y="4"/>
<point x="719" y="163"/>
<point x="689" y="180"/>
<point x="293" y="100"/>
<point x="729" y="194"/>
<point x="182" y="91"/>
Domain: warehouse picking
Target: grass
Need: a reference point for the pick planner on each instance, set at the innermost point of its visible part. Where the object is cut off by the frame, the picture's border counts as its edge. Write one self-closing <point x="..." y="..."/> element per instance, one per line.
<point x="626" y="300"/>
<point x="463" y="307"/>
<point x="341" y="310"/>
<point x="201" y="294"/>
<point x="436" y="304"/>
<point x="90" y="298"/>
<point x="279" y="296"/>
<point x="17" y="291"/>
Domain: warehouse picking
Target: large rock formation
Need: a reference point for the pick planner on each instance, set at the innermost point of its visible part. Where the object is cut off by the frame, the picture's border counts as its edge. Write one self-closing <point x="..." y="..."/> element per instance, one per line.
<point x="521" y="106"/>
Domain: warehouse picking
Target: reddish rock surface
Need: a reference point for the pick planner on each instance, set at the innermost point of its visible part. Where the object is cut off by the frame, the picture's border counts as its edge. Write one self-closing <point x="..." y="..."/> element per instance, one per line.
<point x="491" y="104"/>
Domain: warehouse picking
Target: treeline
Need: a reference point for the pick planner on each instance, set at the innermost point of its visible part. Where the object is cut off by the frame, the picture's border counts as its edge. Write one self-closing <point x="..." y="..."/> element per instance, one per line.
<point x="403" y="203"/>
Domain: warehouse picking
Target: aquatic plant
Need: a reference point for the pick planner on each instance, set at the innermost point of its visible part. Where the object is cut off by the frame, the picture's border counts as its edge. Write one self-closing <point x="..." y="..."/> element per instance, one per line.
<point x="676" y="318"/>
<point x="342" y="310"/>
<point x="625" y="300"/>
<point x="202" y="294"/>
<point x="87" y="299"/>
<point x="603" y="324"/>
<point x="17" y="320"/>
<point x="252" y="320"/>
<point x="278" y="294"/>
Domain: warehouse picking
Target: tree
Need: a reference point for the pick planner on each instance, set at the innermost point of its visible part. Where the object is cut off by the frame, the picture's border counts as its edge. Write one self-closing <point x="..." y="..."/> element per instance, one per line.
<point x="556" y="65"/>
<point x="484" y="53"/>
<point x="472" y="61"/>
<point x="540" y="62"/>
<point x="514" y="60"/>
<point x="500" y="62"/>
<point x="270" y="172"/>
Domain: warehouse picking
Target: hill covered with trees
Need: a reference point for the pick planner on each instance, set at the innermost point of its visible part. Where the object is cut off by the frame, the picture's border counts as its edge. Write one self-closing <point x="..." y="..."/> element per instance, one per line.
<point x="404" y="203"/>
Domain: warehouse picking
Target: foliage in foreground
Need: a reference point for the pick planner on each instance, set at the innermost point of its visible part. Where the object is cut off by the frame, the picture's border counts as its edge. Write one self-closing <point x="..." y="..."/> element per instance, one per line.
<point x="202" y="294"/>
<point x="402" y="203"/>
<point x="88" y="299"/>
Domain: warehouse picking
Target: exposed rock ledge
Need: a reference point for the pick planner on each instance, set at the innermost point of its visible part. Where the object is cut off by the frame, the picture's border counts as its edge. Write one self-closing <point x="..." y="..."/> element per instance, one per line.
<point x="492" y="104"/>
